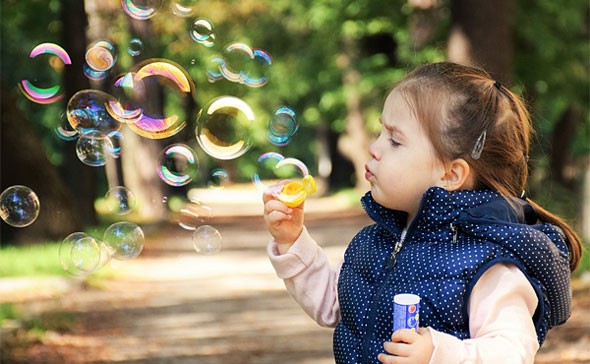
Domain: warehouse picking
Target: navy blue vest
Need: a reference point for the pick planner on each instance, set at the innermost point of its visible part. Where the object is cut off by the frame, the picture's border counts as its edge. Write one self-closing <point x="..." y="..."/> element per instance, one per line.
<point x="454" y="239"/>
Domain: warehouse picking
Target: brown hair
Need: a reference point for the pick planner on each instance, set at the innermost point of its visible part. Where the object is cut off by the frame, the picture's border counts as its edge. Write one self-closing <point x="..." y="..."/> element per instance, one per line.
<point x="458" y="105"/>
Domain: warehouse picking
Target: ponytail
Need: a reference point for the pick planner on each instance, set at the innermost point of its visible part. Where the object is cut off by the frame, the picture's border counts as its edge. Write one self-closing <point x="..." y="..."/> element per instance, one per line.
<point x="574" y="244"/>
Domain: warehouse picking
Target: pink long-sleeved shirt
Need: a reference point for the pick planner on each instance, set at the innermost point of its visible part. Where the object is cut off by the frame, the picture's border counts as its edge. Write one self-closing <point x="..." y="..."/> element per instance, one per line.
<point x="500" y="307"/>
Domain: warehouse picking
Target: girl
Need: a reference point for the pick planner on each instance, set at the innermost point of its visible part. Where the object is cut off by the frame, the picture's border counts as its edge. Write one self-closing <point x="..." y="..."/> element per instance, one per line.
<point x="452" y="225"/>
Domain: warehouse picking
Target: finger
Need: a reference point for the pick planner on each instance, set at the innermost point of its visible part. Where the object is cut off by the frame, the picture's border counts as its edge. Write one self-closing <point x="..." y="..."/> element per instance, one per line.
<point x="276" y="205"/>
<point x="404" y="335"/>
<point x="398" y="349"/>
<point x="275" y="217"/>
<point x="390" y="359"/>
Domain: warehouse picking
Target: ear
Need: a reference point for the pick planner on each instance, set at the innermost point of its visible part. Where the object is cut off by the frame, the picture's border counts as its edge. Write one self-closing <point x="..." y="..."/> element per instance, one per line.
<point x="457" y="175"/>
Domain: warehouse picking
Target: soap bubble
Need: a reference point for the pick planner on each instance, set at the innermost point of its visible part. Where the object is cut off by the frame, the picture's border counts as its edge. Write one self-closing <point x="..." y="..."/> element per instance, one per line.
<point x="265" y="173"/>
<point x="124" y="239"/>
<point x="80" y="254"/>
<point x="19" y="206"/>
<point x="101" y="55"/>
<point x="224" y="127"/>
<point x="161" y="76"/>
<point x="207" y="240"/>
<point x="218" y="178"/>
<point x="45" y="95"/>
<point x="177" y="165"/>
<point x="135" y="47"/>
<point x="120" y="200"/>
<point x="146" y="10"/>
<point x="282" y="126"/>
<point x="93" y="74"/>
<point x="254" y="74"/>
<point x="183" y="8"/>
<point x="93" y="149"/>
<point x="194" y="214"/>
<point x="124" y="106"/>
<point x="87" y="112"/>
<point x="202" y="32"/>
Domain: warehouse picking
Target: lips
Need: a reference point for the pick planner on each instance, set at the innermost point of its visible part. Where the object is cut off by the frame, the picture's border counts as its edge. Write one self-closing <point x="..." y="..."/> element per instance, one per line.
<point x="368" y="173"/>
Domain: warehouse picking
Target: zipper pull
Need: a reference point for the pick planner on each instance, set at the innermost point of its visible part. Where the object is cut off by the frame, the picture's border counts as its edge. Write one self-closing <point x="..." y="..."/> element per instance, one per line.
<point x="393" y="257"/>
<point x="455" y="231"/>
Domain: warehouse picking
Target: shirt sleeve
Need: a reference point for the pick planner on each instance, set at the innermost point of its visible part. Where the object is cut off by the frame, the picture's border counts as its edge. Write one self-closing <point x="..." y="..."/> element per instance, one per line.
<point x="309" y="278"/>
<point x="501" y="307"/>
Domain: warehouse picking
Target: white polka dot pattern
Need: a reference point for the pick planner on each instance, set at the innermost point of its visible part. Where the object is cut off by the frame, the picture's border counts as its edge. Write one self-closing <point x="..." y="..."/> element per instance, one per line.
<point x="454" y="239"/>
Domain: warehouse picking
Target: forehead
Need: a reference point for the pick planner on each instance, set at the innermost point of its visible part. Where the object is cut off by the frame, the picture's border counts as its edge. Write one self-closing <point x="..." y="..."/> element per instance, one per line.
<point x="397" y="113"/>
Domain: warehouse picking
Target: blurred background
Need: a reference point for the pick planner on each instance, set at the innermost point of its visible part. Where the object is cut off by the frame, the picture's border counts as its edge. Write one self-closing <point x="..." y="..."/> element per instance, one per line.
<point x="304" y="79"/>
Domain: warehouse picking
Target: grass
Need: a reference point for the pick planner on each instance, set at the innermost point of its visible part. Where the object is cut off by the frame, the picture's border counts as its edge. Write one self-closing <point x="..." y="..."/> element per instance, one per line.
<point x="30" y="261"/>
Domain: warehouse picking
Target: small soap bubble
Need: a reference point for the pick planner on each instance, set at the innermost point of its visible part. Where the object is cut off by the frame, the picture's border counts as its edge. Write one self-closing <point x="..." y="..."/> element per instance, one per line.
<point x="218" y="178"/>
<point x="207" y="240"/>
<point x="86" y="112"/>
<point x="120" y="200"/>
<point x="19" y="206"/>
<point x="177" y="165"/>
<point x="202" y="32"/>
<point x="224" y="127"/>
<point x="124" y="239"/>
<point x="81" y="254"/>
<point x="255" y="73"/>
<point x="93" y="149"/>
<point x="93" y="74"/>
<point x="282" y="126"/>
<point x="141" y="10"/>
<point x="183" y="8"/>
<point x="101" y="56"/>
<point x="135" y="47"/>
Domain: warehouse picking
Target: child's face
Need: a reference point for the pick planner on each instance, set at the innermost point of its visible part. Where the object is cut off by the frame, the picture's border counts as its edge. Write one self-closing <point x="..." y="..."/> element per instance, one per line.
<point x="403" y="164"/>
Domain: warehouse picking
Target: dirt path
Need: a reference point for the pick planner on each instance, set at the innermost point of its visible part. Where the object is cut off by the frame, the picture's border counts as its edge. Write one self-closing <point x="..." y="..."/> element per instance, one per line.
<point x="173" y="306"/>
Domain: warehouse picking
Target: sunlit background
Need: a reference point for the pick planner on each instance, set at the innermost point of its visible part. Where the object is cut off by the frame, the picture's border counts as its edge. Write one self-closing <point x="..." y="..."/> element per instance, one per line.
<point x="137" y="136"/>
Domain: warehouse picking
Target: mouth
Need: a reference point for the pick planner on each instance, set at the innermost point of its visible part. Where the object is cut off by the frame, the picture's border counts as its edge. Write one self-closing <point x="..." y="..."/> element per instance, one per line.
<point x="368" y="174"/>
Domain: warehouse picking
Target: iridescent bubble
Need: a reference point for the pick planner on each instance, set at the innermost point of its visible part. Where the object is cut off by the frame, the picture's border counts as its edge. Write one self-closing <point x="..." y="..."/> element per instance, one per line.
<point x="93" y="74"/>
<point x="207" y="240"/>
<point x="115" y="138"/>
<point x="237" y="58"/>
<point x="19" y="206"/>
<point x="265" y="172"/>
<point x="124" y="239"/>
<point x="183" y="8"/>
<point x="65" y="131"/>
<point x="177" y="165"/>
<point x="120" y="200"/>
<point x="214" y="70"/>
<point x="45" y="95"/>
<point x="224" y="126"/>
<point x="202" y="32"/>
<point x="218" y="178"/>
<point x="124" y="106"/>
<point x="194" y="214"/>
<point x="93" y="149"/>
<point x="282" y="126"/>
<point x="142" y="11"/>
<point x="178" y="89"/>
<point x="135" y="47"/>
<point x="254" y="75"/>
<point x="87" y="112"/>
<point x="101" y="55"/>
<point x="80" y="254"/>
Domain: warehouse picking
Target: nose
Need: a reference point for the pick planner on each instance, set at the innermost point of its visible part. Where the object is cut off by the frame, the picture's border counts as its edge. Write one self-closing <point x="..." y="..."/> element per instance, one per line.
<point x="373" y="150"/>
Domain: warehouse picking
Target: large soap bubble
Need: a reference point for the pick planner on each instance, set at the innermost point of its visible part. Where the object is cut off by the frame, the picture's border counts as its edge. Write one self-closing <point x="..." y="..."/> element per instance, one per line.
<point x="19" y="206"/>
<point x="224" y="126"/>
<point x="45" y="95"/>
<point x="141" y="10"/>
<point x="156" y="76"/>
<point x="124" y="239"/>
<point x="282" y="126"/>
<point x="81" y="254"/>
<point x="87" y="112"/>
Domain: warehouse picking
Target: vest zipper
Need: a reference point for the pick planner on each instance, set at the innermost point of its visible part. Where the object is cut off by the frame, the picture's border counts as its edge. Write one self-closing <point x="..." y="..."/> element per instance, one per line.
<point x="455" y="231"/>
<point x="393" y="257"/>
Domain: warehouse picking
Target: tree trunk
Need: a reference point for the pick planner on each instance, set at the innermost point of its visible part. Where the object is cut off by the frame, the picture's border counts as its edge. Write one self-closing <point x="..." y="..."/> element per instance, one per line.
<point x="81" y="179"/>
<point x="23" y="162"/>
<point x="481" y="35"/>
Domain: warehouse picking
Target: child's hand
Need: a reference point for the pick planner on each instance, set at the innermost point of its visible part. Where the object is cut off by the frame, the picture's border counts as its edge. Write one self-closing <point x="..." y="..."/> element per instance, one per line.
<point x="407" y="346"/>
<point x="284" y="223"/>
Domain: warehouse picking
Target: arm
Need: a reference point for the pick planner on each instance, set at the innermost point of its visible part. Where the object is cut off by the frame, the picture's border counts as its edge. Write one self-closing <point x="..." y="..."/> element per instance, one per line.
<point x="301" y="263"/>
<point x="308" y="277"/>
<point x="501" y="307"/>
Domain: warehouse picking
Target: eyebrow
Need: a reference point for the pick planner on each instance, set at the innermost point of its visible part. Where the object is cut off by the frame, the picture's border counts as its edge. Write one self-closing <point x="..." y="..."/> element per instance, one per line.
<point x="392" y="128"/>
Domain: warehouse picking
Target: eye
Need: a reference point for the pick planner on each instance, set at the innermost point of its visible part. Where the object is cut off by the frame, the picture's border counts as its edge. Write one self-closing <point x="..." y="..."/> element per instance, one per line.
<point x="393" y="142"/>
